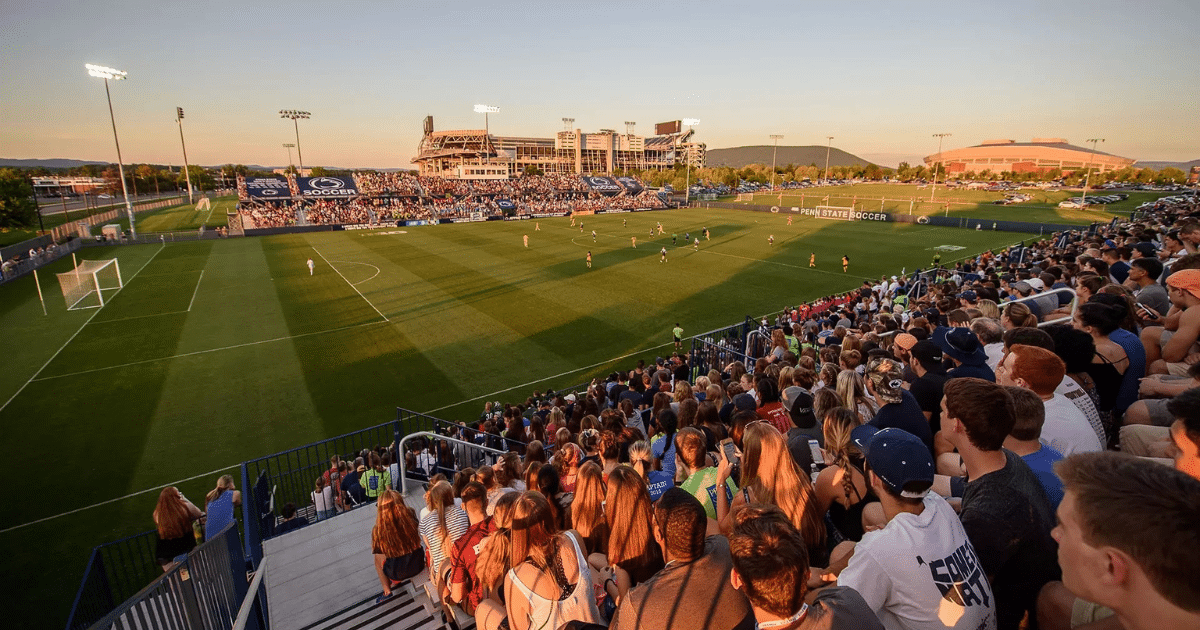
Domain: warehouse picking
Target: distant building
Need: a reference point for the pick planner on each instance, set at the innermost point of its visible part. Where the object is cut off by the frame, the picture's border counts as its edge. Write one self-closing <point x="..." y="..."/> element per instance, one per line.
<point x="474" y="154"/>
<point x="1040" y="154"/>
<point x="1194" y="176"/>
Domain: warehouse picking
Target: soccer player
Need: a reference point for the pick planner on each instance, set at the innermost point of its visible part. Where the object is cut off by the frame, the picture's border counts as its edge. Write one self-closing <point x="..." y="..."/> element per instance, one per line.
<point x="677" y="333"/>
<point x="581" y="227"/>
<point x="696" y="244"/>
<point x="687" y="236"/>
<point x="706" y="234"/>
<point x="310" y="266"/>
<point x="589" y="260"/>
<point x="789" y="219"/>
<point x="662" y="255"/>
<point x="624" y="222"/>
<point x="845" y="263"/>
<point x="572" y="220"/>
<point x="526" y="240"/>
<point x="812" y="259"/>
<point x="771" y="240"/>
<point x="593" y="236"/>
<point x="537" y="226"/>
<point x="674" y="237"/>
<point x="634" y="239"/>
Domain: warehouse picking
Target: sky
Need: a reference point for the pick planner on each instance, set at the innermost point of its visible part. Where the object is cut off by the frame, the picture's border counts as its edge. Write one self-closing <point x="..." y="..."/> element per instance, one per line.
<point x="880" y="77"/>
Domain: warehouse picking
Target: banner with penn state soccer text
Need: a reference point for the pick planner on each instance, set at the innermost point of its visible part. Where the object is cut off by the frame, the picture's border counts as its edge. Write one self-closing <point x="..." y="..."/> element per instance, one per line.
<point x="632" y="185"/>
<point x="326" y="187"/>
<point x="603" y="185"/>
<point x="267" y="188"/>
<point x="844" y="214"/>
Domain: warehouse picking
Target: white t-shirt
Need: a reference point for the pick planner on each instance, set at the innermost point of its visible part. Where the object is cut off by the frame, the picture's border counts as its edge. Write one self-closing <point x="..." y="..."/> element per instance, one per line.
<point x="920" y="572"/>
<point x="995" y="354"/>
<point x="1077" y="395"/>
<point x="1067" y="430"/>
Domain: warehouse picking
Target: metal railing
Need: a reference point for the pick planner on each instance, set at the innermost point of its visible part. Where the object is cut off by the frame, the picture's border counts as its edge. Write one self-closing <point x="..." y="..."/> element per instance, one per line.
<point x="459" y="446"/>
<point x="203" y="591"/>
<point x="253" y="613"/>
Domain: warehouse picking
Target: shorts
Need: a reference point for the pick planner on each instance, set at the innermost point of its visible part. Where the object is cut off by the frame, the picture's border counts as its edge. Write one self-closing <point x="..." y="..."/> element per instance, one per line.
<point x="1178" y="369"/>
<point x="404" y="567"/>
<point x="1084" y="612"/>
<point x="1157" y="409"/>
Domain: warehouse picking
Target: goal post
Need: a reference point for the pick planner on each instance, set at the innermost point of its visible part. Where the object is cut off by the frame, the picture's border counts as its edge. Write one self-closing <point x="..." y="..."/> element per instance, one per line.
<point x="84" y="286"/>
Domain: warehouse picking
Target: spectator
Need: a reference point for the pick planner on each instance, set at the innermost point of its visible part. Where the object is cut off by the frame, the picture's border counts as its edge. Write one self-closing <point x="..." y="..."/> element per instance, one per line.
<point x="1166" y="351"/>
<point x="550" y="583"/>
<point x="550" y="486"/>
<point x="291" y="521"/>
<point x="1024" y="441"/>
<point x="991" y="335"/>
<point x="700" y="478"/>
<point x="376" y="479"/>
<point x="770" y="561"/>
<point x="173" y="519"/>
<point x="395" y="543"/>
<point x="1144" y="274"/>
<point x="842" y="488"/>
<point x="219" y="506"/>
<point x="770" y="476"/>
<point x="693" y="591"/>
<point x="899" y="408"/>
<point x="1005" y="511"/>
<point x="322" y="497"/>
<point x="444" y="523"/>
<point x="853" y="395"/>
<point x="1076" y="348"/>
<point x="663" y="443"/>
<point x="937" y="575"/>
<point x="964" y="349"/>
<point x="931" y="379"/>
<point x="1066" y="429"/>
<point x="466" y="589"/>
<point x="587" y="509"/>
<point x="486" y="475"/>
<point x="632" y="555"/>
<point x="1127" y="534"/>
<point x="642" y="460"/>
<point x="495" y="561"/>
<point x="770" y="407"/>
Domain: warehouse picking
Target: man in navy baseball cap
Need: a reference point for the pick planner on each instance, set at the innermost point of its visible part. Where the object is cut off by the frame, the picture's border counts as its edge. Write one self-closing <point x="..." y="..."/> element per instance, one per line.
<point x="899" y="458"/>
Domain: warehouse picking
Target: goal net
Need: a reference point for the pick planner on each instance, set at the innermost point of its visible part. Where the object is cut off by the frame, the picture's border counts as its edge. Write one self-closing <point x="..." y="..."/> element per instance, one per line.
<point x="745" y="197"/>
<point x="84" y="286"/>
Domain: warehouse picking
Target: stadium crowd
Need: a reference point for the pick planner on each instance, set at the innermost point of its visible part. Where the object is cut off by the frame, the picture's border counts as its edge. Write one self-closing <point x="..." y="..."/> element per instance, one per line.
<point x="945" y="457"/>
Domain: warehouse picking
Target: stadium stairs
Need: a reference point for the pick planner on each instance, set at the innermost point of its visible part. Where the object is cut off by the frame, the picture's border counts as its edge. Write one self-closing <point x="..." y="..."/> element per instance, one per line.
<point x="322" y="577"/>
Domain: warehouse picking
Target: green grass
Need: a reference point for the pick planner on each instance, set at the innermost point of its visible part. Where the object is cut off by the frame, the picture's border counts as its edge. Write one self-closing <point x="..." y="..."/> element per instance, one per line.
<point x="220" y="351"/>
<point x="973" y="204"/>
<point x="169" y="219"/>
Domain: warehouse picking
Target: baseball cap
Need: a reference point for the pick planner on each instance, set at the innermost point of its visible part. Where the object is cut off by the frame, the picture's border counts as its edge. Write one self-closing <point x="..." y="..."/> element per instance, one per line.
<point x="1036" y="283"/>
<point x="928" y="353"/>
<point x="887" y="378"/>
<point x="799" y="403"/>
<point x="1187" y="279"/>
<point x="570" y="398"/>
<point x="1022" y="287"/>
<point x="906" y="341"/>
<point x="1147" y="249"/>
<point x="969" y="296"/>
<point x="897" y="457"/>
<point x="744" y="402"/>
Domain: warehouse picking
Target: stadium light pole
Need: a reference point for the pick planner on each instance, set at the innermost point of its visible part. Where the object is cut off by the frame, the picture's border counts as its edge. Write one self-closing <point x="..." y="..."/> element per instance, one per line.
<point x="936" y="166"/>
<point x="827" y="148"/>
<point x="774" y="152"/>
<point x="116" y="75"/>
<point x="487" y="133"/>
<point x="289" y="146"/>
<point x="179" y="119"/>
<point x="1088" y="172"/>
<point x="296" y="115"/>
<point x="687" y="186"/>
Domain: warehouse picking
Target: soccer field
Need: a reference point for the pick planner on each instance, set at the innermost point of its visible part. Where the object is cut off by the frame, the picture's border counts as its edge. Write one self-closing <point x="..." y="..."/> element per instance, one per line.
<point x="218" y="351"/>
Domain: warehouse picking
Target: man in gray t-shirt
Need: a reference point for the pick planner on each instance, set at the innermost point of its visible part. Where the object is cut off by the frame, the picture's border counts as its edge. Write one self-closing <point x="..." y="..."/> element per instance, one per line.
<point x="1144" y="272"/>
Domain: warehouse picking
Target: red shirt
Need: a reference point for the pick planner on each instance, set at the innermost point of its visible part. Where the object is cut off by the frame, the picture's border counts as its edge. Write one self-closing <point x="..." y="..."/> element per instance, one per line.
<point x="776" y="415"/>
<point x="462" y="561"/>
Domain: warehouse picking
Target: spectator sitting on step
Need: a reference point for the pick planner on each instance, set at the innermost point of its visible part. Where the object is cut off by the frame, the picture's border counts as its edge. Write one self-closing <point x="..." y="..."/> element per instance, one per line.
<point x="395" y="543"/>
<point x="291" y="520"/>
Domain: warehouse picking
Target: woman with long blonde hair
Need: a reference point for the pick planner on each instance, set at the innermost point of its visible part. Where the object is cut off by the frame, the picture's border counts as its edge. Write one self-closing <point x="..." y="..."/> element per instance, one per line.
<point x="853" y="394"/>
<point x="219" y="506"/>
<point x="641" y="459"/>
<point x="444" y="523"/>
<point x="493" y="562"/>
<point x="632" y="553"/>
<point x="587" y="508"/>
<point x="395" y="542"/>
<point x="770" y="476"/>
<point x="173" y="518"/>
<point x="550" y="583"/>
<point x="842" y="488"/>
<point x="779" y="346"/>
<point x="682" y="391"/>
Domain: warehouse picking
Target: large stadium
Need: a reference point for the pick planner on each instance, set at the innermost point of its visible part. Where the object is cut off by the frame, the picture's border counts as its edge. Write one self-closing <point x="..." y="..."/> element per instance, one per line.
<point x="500" y="373"/>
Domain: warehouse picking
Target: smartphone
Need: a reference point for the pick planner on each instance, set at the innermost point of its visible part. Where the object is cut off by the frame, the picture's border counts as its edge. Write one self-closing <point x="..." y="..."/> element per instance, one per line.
<point x="1149" y="312"/>
<point x="730" y="450"/>
<point x="817" y="456"/>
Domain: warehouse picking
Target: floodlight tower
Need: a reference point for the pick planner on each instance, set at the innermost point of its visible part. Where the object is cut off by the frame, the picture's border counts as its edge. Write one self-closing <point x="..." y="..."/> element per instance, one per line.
<point x="687" y="187"/>
<point x="567" y="123"/>
<point x="1087" y="175"/>
<point x="487" y="134"/>
<point x="187" y="173"/>
<point x="827" y="149"/>
<point x="289" y="146"/>
<point x="629" y="125"/>
<point x="776" y="137"/>
<point x="295" y="115"/>
<point x="116" y="75"/>
<point x="936" y="166"/>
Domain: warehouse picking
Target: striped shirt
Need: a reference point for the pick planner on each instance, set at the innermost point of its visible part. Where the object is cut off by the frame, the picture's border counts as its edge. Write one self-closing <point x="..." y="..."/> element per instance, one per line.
<point x="457" y="524"/>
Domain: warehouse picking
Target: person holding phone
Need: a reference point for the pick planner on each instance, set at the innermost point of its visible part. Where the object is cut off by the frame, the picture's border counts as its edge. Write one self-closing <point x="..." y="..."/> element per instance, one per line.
<point x="1150" y="296"/>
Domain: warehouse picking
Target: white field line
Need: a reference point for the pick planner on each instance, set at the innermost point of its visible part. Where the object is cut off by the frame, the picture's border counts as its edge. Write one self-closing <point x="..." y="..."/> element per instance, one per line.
<point x="128" y="496"/>
<point x="72" y="338"/>
<point x="352" y="262"/>
<point x="210" y="350"/>
<point x="335" y="269"/>
<point x="195" y="291"/>
<point x="125" y="319"/>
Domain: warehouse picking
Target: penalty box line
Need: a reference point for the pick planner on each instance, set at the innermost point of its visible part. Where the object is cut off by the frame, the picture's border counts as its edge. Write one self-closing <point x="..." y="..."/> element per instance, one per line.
<point x="360" y="294"/>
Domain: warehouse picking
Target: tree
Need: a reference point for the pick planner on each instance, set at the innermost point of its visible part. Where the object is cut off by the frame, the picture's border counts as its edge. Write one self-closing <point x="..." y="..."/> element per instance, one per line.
<point x="17" y="208"/>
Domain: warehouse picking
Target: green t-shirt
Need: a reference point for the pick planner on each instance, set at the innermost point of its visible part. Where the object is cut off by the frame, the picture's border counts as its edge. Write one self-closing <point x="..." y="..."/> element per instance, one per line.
<point x="703" y="485"/>
<point x="678" y="332"/>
